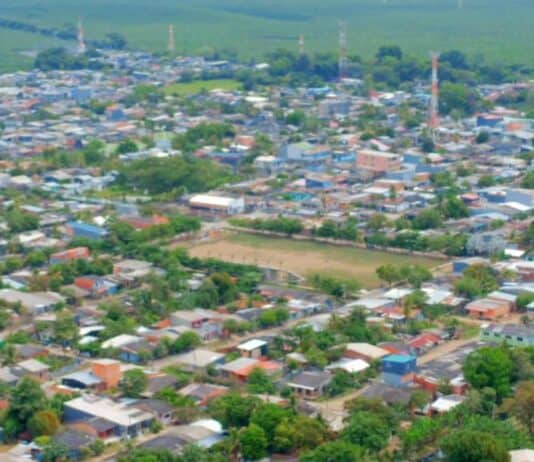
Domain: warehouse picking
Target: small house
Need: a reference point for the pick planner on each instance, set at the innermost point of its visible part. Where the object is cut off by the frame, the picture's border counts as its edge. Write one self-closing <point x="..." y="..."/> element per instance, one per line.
<point x="310" y="385"/>
<point x="487" y="308"/>
<point x="76" y="253"/>
<point x="398" y="370"/>
<point x="203" y="393"/>
<point x="364" y="351"/>
<point x="254" y="348"/>
<point x="513" y="334"/>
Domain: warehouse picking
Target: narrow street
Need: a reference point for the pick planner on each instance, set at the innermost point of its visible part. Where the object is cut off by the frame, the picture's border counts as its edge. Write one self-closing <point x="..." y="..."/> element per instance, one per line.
<point x="336" y="405"/>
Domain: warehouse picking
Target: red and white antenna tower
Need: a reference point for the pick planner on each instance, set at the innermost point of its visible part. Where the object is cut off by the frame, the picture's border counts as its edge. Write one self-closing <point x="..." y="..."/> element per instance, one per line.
<point x="81" y="40"/>
<point x="342" y="49"/>
<point x="434" y="100"/>
<point x="301" y="44"/>
<point x="170" y="43"/>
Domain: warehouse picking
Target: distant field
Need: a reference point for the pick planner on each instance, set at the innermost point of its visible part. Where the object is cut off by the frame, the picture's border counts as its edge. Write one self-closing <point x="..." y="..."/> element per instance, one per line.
<point x="192" y="88"/>
<point x="499" y="30"/>
<point x="304" y="257"/>
<point x="14" y="44"/>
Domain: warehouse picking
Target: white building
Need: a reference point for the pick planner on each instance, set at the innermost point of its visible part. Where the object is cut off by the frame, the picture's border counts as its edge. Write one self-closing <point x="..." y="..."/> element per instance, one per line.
<point x="218" y="204"/>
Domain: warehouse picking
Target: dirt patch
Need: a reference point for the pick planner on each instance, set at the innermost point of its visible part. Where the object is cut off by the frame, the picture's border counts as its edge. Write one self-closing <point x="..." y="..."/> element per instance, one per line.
<point x="304" y="258"/>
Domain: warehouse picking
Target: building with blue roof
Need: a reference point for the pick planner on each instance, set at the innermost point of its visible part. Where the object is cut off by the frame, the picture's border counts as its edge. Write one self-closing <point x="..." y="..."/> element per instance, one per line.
<point x="398" y="370"/>
<point x="81" y="229"/>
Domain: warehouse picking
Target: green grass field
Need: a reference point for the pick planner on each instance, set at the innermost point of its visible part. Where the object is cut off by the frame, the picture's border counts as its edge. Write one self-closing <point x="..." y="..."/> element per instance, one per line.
<point x="14" y="46"/>
<point x="305" y="257"/>
<point x="192" y="88"/>
<point x="499" y="30"/>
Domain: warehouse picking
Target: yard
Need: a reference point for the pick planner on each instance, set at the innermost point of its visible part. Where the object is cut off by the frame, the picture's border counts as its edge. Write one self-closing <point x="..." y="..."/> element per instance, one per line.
<point x="305" y="257"/>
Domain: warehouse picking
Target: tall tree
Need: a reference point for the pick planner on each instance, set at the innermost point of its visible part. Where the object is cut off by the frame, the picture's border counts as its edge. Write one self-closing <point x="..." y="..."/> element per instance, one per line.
<point x="489" y="367"/>
<point x="253" y="442"/>
<point x="367" y="430"/>
<point x="133" y="383"/>
<point x="44" y="423"/>
<point x="522" y="405"/>
<point x="335" y="451"/>
<point x="27" y="399"/>
<point x="473" y="446"/>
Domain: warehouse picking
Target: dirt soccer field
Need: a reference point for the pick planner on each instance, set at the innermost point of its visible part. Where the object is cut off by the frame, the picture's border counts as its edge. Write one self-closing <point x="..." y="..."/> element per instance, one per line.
<point x="304" y="257"/>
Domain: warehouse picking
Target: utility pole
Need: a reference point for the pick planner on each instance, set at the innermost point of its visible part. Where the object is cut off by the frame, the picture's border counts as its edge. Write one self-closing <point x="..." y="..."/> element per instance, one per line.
<point x="81" y="40"/>
<point x="301" y="44"/>
<point x="170" y="44"/>
<point x="433" y="122"/>
<point x="342" y="49"/>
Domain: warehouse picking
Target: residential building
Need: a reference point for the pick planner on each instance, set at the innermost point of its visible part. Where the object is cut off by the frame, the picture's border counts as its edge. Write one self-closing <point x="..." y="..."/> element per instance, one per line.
<point x="79" y="229"/>
<point x="217" y="204"/>
<point x="378" y="162"/>
<point x="76" y="253"/>
<point x="126" y="420"/>
<point x="487" y="308"/>
<point x="364" y="351"/>
<point x="513" y="334"/>
<point x="310" y="385"/>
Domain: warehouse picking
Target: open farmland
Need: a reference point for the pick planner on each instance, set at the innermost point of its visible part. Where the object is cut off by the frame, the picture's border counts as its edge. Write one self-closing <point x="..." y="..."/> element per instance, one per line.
<point x="498" y="30"/>
<point x="14" y="46"/>
<point x="305" y="257"/>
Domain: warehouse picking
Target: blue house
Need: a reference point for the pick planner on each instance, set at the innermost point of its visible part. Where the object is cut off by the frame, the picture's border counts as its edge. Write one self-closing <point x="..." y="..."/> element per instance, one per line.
<point x="133" y="352"/>
<point x="398" y="370"/>
<point x="413" y="158"/>
<point x="342" y="157"/>
<point x="81" y="229"/>
<point x="231" y="158"/>
<point x="488" y="120"/>
<point x="460" y="265"/>
<point x="318" y="91"/>
<point x="305" y="152"/>
<point x="76" y="442"/>
<point x="115" y="114"/>
<point x="431" y="169"/>
<point x="406" y="174"/>
<point x="81" y="94"/>
<point x="399" y="364"/>
<point x="523" y="196"/>
<point x="318" y="183"/>
<point x="124" y="419"/>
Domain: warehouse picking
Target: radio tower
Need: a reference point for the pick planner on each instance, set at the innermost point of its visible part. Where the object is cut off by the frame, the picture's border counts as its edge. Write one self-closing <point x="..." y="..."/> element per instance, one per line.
<point x="301" y="44"/>
<point x="170" y="45"/>
<point x="434" y="101"/>
<point x="342" y="49"/>
<point x="81" y="41"/>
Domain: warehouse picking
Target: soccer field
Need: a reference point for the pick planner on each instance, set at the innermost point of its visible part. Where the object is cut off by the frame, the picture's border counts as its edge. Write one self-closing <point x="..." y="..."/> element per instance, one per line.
<point x="498" y="30"/>
<point x="198" y="86"/>
<point x="305" y="258"/>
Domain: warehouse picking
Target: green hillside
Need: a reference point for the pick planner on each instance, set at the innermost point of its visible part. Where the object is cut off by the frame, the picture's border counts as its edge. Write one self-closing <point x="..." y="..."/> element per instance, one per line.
<point x="499" y="30"/>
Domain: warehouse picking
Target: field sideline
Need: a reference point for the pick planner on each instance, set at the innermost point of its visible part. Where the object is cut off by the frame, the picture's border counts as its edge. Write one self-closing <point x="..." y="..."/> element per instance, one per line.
<point x="305" y="257"/>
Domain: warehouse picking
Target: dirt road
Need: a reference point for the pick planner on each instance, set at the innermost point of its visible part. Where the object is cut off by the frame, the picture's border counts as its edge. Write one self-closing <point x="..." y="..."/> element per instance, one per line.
<point x="336" y="405"/>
